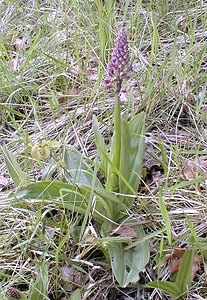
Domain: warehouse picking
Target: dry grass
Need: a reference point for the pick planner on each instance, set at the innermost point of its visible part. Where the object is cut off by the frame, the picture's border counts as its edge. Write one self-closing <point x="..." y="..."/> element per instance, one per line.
<point x="53" y="55"/>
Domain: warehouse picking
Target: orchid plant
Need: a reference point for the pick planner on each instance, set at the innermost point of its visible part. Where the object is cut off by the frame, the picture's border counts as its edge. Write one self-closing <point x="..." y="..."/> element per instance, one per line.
<point x="108" y="202"/>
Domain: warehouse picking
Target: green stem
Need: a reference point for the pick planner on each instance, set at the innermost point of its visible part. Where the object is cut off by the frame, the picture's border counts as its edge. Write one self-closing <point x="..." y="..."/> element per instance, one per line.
<point x="117" y="130"/>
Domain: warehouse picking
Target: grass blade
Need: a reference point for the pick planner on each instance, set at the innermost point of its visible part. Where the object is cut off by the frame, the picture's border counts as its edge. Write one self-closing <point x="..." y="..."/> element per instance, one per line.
<point x="168" y="287"/>
<point x="183" y="279"/>
<point x="14" y="169"/>
<point x="165" y="217"/>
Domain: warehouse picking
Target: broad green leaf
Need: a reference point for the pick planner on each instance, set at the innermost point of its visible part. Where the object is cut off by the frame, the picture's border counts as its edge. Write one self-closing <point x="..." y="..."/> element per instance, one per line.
<point x="77" y="168"/>
<point x="166" y="286"/>
<point x="127" y="264"/>
<point x="13" y="167"/>
<point x="132" y="155"/>
<point x="125" y="167"/>
<point x="165" y="217"/>
<point x="183" y="279"/>
<point x="126" y="155"/>
<point x="76" y="295"/>
<point x="112" y="183"/>
<point x="100" y="145"/>
<point x="137" y="130"/>
<point x="114" y="205"/>
<point x="72" y="197"/>
<point x="118" y="173"/>
<point x="48" y="189"/>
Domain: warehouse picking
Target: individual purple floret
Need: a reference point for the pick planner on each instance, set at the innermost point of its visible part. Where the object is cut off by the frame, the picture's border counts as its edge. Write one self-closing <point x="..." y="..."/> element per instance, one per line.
<point x="14" y="293"/>
<point x="119" y="65"/>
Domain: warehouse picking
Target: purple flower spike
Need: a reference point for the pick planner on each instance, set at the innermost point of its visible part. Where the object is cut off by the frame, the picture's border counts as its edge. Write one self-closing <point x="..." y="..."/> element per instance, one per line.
<point x="119" y="65"/>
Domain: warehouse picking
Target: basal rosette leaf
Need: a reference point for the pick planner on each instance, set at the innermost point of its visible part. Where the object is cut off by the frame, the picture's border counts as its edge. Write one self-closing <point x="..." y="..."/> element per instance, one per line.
<point x="132" y="154"/>
<point x="77" y="168"/>
<point x="14" y="169"/>
<point x="73" y="197"/>
<point x="100" y="145"/>
<point x="127" y="264"/>
<point x="137" y="147"/>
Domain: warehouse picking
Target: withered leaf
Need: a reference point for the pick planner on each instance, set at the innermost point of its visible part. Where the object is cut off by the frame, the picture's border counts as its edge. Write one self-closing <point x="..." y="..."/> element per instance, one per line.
<point x="124" y="231"/>
<point x="176" y="254"/>
<point x="195" y="167"/>
<point x="176" y="258"/>
<point x="91" y="74"/>
<point x="175" y="265"/>
<point x="67" y="273"/>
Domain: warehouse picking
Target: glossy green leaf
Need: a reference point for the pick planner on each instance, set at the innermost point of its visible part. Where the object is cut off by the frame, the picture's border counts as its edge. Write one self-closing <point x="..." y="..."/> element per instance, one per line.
<point x="137" y="130"/>
<point x="73" y="197"/>
<point x="77" y="168"/>
<point x="69" y="196"/>
<point x="127" y="264"/>
<point x="118" y="173"/>
<point x="112" y="183"/>
<point x="183" y="279"/>
<point x="125" y="167"/>
<point x="132" y="155"/>
<point x="100" y="145"/>
<point x="114" y="209"/>
<point x="13" y="167"/>
<point x="166" y="286"/>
